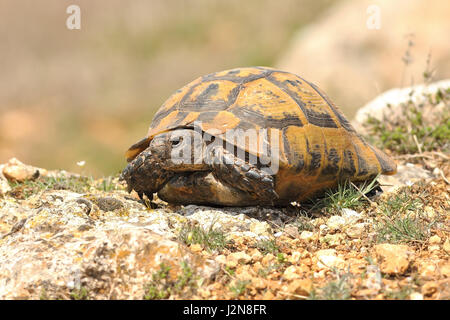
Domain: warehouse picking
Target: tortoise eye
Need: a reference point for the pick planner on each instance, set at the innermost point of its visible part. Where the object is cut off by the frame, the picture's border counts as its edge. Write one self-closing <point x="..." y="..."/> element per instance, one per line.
<point x="175" y="141"/>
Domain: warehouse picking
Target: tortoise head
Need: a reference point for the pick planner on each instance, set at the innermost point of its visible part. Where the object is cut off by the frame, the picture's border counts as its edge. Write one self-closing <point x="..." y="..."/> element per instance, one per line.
<point x="169" y="153"/>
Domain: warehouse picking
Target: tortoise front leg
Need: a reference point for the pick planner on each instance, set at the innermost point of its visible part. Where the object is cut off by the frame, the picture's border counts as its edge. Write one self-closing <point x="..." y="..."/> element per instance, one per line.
<point x="244" y="176"/>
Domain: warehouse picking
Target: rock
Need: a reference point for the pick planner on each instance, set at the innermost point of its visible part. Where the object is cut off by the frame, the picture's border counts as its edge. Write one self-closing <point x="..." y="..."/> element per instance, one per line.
<point x="434" y="248"/>
<point x="393" y="259"/>
<point x="327" y="259"/>
<point x="236" y="258"/>
<point x="355" y="231"/>
<point x="268" y="259"/>
<point x="369" y="61"/>
<point x="446" y="246"/>
<point x="350" y="215"/>
<point x="434" y="240"/>
<point x="406" y="175"/>
<point x="445" y="269"/>
<point x="336" y="222"/>
<point x="4" y="185"/>
<point x="107" y="263"/>
<point x="268" y="295"/>
<point x="332" y="240"/>
<point x="301" y="287"/>
<point x="306" y="235"/>
<point x="196" y="247"/>
<point x="256" y="255"/>
<point x="291" y="272"/>
<point x="378" y="107"/>
<point x="416" y="296"/>
<point x="291" y="231"/>
<point x="427" y="269"/>
<point x="295" y="257"/>
<point x="14" y="170"/>
<point x="429" y="288"/>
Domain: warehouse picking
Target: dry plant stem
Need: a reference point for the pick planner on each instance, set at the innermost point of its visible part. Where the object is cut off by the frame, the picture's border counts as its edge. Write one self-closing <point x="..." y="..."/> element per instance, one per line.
<point x="361" y="193"/>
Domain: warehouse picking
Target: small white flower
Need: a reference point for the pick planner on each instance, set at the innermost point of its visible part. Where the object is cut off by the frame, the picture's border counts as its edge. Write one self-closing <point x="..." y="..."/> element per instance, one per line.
<point x="81" y="163"/>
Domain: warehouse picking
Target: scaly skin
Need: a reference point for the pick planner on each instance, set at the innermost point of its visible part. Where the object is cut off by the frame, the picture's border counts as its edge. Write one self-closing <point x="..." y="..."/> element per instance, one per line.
<point x="145" y="174"/>
<point x="226" y="180"/>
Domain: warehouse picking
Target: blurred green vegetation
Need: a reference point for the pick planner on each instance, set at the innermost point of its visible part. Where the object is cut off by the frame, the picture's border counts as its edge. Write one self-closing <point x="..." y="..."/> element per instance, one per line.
<point x="71" y="95"/>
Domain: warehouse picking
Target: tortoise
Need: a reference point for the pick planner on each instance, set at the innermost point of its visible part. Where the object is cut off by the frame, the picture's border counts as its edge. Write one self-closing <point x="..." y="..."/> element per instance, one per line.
<point x="313" y="144"/>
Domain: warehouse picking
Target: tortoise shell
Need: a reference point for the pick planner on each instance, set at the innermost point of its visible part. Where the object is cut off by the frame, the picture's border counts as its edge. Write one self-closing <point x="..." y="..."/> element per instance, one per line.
<point x="318" y="146"/>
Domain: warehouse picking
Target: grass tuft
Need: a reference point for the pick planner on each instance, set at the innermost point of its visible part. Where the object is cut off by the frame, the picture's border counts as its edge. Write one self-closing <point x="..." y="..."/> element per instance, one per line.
<point x="211" y="239"/>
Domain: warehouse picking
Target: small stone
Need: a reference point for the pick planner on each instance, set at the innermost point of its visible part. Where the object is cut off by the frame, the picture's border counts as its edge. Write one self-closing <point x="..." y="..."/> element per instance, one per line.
<point x="332" y="240"/>
<point x="445" y="270"/>
<point x="434" y="240"/>
<point x="291" y="231"/>
<point x="429" y="288"/>
<point x="256" y="255"/>
<point x="268" y="295"/>
<point x="306" y="235"/>
<point x="221" y="259"/>
<point x="278" y="234"/>
<point x="4" y="185"/>
<point x="15" y="170"/>
<point x="427" y="269"/>
<point x="238" y="257"/>
<point x="393" y="259"/>
<point x="355" y="230"/>
<point x="447" y="245"/>
<point x="295" y="257"/>
<point x="260" y="228"/>
<point x="268" y="259"/>
<point x="415" y="296"/>
<point x="301" y="287"/>
<point x="429" y="212"/>
<point x="327" y="259"/>
<point x="196" y="247"/>
<point x="350" y="215"/>
<point x="434" y="248"/>
<point x="291" y="273"/>
<point x="335" y="222"/>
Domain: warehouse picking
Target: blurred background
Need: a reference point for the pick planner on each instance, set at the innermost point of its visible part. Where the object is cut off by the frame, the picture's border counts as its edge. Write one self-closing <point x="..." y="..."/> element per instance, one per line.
<point x="87" y="95"/>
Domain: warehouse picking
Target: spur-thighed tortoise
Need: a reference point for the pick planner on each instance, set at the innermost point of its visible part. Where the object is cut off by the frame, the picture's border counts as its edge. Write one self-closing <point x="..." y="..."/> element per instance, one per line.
<point x="249" y="136"/>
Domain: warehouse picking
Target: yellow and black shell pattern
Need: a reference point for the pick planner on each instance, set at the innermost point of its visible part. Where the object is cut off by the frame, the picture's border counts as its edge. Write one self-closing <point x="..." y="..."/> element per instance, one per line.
<point x="318" y="145"/>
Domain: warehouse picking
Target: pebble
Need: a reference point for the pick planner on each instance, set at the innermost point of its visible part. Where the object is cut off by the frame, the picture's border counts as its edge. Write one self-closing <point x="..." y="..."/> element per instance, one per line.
<point x="336" y="222"/>
<point x="14" y="170"/>
<point x="333" y="240"/>
<point x="416" y="296"/>
<point x="447" y="245"/>
<point x="236" y="258"/>
<point x="4" y="185"/>
<point x="327" y="259"/>
<point x="306" y="235"/>
<point x="295" y="257"/>
<point x="429" y="288"/>
<point x="291" y="273"/>
<point x="393" y="259"/>
<point x="350" y="215"/>
<point x="301" y="287"/>
<point x="355" y="230"/>
<point x="434" y="240"/>
<point x="256" y="255"/>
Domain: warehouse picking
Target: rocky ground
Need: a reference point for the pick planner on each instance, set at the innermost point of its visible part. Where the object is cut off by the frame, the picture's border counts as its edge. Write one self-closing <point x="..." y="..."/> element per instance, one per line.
<point x="64" y="236"/>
